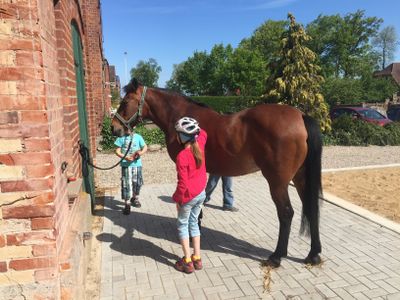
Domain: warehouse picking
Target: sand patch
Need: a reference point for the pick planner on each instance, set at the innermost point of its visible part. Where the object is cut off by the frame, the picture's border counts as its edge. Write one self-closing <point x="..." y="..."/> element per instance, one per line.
<point x="377" y="190"/>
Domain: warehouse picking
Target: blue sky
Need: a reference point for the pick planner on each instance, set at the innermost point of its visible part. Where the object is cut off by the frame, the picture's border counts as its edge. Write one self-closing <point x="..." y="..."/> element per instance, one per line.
<point x="171" y="30"/>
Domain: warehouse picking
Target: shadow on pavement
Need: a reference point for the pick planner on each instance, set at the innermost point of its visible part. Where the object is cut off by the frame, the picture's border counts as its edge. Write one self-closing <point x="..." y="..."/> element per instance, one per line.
<point x="162" y="227"/>
<point x="167" y="199"/>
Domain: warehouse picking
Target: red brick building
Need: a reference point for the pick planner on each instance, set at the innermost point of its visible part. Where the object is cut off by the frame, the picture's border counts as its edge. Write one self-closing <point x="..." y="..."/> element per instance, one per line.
<point x="114" y="80"/>
<point x="53" y="92"/>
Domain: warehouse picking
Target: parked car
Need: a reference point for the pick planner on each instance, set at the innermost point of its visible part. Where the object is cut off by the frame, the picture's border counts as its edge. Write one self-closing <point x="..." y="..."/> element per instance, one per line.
<point x="362" y="113"/>
<point x="393" y="112"/>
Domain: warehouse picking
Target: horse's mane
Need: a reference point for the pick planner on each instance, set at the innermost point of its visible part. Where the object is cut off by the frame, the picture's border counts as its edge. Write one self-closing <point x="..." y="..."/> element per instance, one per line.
<point x="188" y="99"/>
<point x="132" y="86"/>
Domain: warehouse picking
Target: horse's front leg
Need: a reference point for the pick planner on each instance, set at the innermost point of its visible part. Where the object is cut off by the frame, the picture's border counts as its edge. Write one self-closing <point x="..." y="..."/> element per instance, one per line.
<point x="280" y="196"/>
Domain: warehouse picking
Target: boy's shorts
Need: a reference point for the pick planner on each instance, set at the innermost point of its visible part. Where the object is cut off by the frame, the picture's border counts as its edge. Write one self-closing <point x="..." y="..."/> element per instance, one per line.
<point x="131" y="182"/>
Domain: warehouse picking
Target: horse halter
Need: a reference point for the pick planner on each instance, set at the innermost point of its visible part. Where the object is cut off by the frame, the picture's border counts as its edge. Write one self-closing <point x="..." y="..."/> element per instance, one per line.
<point x="137" y="115"/>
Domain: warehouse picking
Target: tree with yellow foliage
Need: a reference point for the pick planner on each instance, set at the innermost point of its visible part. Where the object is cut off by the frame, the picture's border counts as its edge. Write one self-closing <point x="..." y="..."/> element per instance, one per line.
<point x="296" y="78"/>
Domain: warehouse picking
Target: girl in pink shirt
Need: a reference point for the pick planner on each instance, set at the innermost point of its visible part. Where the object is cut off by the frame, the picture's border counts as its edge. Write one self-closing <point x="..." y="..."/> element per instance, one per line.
<point x="189" y="194"/>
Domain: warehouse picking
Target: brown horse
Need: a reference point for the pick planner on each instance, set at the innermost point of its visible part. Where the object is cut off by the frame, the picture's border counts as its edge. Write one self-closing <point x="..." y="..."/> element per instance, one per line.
<point x="276" y="139"/>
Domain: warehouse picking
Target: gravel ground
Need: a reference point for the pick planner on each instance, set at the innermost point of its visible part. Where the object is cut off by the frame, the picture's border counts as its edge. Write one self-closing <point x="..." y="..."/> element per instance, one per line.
<point x="159" y="168"/>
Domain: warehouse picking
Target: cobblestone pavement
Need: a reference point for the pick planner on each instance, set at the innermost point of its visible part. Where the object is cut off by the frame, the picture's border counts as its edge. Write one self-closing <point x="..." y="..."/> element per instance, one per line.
<point x="361" y="259"/>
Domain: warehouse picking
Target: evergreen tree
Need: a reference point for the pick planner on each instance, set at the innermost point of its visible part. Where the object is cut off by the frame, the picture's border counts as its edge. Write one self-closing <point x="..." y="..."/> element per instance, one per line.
<point x="295" y="78"/>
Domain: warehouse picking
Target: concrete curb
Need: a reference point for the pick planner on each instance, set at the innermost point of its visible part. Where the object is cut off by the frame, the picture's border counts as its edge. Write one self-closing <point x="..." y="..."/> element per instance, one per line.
<point x="361" y="168"/>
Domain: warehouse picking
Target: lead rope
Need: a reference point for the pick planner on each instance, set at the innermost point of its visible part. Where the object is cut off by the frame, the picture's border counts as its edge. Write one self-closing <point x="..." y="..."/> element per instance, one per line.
<point x="85" y="153"/>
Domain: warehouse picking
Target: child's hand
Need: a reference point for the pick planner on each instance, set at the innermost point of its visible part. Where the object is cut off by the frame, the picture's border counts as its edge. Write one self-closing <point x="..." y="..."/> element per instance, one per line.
<point x="129" y="158"/>
<point x="136" y="155"/>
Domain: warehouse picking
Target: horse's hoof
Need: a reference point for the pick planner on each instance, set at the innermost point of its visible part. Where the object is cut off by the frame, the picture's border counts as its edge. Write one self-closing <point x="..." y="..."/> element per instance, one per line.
<point x="313" y="260"/>
<point x="273" y="262"/>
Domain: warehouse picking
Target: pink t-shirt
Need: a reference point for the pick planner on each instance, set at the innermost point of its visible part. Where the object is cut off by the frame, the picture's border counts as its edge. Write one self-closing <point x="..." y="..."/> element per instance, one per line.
<point x="191" y="181"/>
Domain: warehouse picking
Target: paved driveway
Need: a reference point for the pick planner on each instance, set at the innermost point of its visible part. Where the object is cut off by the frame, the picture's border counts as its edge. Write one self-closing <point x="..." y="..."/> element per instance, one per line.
<point x="361" y="258"/>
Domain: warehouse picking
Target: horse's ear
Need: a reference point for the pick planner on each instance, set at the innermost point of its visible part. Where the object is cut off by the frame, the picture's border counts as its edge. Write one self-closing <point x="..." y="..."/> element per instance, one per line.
<point x="135" y="83"/>
<point x="132" y="86"/>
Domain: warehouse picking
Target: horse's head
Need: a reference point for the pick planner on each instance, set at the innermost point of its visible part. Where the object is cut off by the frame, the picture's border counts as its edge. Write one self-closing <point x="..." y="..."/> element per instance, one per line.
<point x="129" y="112"/>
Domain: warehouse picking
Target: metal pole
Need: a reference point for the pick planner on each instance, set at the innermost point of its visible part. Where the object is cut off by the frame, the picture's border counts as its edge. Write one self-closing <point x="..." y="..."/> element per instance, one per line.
<point x="126" y="67"/>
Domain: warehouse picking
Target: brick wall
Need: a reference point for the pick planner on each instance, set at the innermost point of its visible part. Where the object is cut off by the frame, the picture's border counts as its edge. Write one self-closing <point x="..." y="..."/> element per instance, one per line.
<point x="38" y="132"/>
<point x="31" y="134"/>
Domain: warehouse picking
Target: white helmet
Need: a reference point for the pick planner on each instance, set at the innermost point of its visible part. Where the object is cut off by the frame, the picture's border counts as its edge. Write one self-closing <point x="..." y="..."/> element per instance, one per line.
<point x="187" y="125"/>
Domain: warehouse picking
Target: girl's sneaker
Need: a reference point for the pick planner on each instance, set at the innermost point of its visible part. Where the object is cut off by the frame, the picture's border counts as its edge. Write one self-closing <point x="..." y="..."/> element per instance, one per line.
<point x="197" y="263"/>
<point x="183" y="266"/>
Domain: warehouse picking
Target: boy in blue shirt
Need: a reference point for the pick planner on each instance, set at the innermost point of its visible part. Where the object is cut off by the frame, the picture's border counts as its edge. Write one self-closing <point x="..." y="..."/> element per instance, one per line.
<point x="131" y="168"/>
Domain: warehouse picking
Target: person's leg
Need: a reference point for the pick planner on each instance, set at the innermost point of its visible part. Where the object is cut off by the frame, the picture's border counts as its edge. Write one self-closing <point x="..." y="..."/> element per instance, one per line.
<point x="126" y="189"/>
<point x="185" y="264"/>
<point x="185" y="247"/>
<point x="196" y="257"/>
<point x="228" y="194"/>
<point x="183" y="228"/>
<point x="196" y="246"/>
<point x="137" y="182"/>
<point x="194" y="214"/>
<point x="199" y="218"/>
<point x="211" y="185"/>
<point x="194" y="230"/>
<point x="227" y="191"/>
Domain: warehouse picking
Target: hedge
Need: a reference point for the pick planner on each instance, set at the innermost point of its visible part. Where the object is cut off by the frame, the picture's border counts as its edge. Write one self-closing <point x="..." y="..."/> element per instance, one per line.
<point x="349" y="132"/>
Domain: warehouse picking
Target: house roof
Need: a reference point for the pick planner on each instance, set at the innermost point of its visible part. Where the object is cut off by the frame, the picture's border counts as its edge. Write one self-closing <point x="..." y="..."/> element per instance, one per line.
<point x="392" y="70"/>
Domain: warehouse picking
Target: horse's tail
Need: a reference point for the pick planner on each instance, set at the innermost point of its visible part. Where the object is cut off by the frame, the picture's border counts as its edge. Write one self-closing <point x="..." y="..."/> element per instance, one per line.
<point x="313" y="186"/>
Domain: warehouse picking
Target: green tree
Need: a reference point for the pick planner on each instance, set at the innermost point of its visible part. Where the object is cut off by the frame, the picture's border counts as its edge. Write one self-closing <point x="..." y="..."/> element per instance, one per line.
<point x="147" y="72"/>
<point x="296" y="81"/>
<point x="217" y="77"/>
<point x="221" y="72"/>
<point x="323" y="32"/>
<point x="386" y="43"/>
<point x="266" y="39"/>
<point x="342" y="91"/>
<point x="115" y="97"/>
<point x="343" y="43"/>
<point x="247" y="72"/>
<point x="173" y="83"/>
<point x="377" y="89"/>
<point x="191" y="76"/>
<point x="202" y="73"/>
<point x="357" y="90"/>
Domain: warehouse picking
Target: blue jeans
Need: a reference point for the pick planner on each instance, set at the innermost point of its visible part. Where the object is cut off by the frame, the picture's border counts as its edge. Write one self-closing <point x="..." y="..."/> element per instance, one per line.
<point x="188" y="215"/>
<point x="226" y="189"/>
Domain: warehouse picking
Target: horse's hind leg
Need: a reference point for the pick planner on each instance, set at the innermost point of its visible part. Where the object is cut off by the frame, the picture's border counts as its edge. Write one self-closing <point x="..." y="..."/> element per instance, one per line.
<point x="280" y="196"/>
<point x="310" y="222"/>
